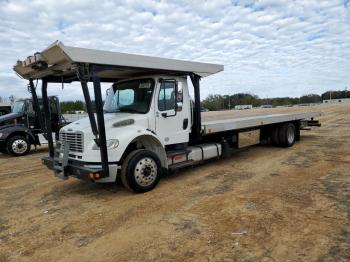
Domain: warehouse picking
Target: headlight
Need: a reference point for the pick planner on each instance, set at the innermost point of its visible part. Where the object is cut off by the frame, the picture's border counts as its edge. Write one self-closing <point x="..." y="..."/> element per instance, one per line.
<point x="111" y="144"/>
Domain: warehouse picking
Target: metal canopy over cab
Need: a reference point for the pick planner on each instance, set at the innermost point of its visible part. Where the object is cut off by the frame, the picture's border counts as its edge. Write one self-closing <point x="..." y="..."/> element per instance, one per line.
<point x="59" y="63"/>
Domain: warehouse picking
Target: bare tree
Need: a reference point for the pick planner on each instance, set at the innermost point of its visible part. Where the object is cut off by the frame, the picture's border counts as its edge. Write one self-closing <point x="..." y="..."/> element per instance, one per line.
<point x="12" y="98"/>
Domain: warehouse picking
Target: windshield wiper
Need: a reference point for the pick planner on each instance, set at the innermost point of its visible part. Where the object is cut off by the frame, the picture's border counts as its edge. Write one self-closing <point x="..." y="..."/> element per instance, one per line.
<point x="111" y="111"/>
<point x="130" y="110"/>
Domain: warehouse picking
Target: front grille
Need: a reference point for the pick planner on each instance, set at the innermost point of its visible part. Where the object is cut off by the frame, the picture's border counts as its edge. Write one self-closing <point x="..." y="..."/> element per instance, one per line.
<point x="74" y="139"/>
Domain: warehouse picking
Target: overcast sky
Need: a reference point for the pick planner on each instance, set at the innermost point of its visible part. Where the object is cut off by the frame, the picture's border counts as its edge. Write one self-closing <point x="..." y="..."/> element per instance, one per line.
<point x="268" y="47"/>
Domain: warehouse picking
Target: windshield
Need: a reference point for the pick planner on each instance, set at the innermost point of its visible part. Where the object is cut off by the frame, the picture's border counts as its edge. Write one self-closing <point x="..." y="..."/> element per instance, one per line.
<point x="18" y="107"/>
<point x="132" y="96"/>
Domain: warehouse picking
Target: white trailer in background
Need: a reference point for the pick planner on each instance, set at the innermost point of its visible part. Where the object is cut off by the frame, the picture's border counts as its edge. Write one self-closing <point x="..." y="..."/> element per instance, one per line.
<point x="240" y="107"/>
<point x="148" y="122"/>
<point x="337" y="101"/>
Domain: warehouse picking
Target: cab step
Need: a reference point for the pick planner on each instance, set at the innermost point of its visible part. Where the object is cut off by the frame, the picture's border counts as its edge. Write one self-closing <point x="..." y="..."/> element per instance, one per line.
<point x="182" y="164"/>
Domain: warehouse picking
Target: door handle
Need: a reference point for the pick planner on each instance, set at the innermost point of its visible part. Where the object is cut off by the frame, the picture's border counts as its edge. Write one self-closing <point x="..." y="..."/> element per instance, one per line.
<point x="185" y="124"/>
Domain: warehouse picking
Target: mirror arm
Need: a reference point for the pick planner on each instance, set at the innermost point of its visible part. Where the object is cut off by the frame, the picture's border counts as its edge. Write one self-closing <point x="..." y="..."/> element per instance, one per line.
<point x="176" y="94"/>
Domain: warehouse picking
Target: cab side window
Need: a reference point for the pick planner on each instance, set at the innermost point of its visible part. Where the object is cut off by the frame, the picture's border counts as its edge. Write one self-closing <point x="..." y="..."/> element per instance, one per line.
<point x="30" y="108"/>
<point x="166" y="98"/>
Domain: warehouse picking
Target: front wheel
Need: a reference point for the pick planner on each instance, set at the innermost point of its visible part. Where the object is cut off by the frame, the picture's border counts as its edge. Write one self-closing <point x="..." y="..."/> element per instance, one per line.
<point x="141" y="171"/>
<point x="18" y="146"/>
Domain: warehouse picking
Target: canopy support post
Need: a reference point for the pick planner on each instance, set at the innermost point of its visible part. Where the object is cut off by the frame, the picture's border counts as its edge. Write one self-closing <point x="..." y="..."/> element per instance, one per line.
<point x="88" y="103"/>
<point x="102" y="143"/>
<point x="47" y="112"/>
<point x="36" y="103"/>
<point x="197" y="121"/>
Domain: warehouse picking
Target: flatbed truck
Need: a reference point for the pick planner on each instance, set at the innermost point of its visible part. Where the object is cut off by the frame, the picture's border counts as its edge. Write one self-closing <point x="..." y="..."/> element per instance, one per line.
<point x="148" y="123"/>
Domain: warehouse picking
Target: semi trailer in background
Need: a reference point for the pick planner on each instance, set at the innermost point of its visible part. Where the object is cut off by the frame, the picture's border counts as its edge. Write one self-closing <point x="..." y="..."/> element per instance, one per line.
<point x="148" y="123"/>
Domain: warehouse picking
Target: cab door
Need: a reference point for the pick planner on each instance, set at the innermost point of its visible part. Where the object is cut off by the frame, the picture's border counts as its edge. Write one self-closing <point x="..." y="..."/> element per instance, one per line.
<point x="172" y="120"/>
<point x="30" y="114"/>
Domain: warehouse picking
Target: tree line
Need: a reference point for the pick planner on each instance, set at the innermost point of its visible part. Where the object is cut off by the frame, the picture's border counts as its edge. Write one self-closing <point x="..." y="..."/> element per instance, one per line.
<point x="222" y="102"/>
<point x="71" y="106"/>
<point x="335" y="94"/>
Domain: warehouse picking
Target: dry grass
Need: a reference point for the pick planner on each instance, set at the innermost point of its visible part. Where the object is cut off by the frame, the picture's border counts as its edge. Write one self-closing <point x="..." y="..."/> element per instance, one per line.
<point x="262" y="204"/>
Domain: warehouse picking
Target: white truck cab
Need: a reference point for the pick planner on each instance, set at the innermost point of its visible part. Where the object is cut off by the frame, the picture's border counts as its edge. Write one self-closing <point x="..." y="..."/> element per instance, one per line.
<point x="155" y="108"/>
<point x="148" y="123"/>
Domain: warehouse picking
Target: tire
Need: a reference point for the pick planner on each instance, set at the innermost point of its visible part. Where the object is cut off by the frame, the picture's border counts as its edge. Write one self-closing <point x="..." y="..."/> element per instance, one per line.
<point x="287" y="135"/>
<point x="141" y="171"/>
<point x="18" y="146"/>
<point x="123" y="175"/>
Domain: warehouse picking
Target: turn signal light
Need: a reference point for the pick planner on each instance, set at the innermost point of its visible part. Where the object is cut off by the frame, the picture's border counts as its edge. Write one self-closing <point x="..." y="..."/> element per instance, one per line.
<point x="94" y="176"/>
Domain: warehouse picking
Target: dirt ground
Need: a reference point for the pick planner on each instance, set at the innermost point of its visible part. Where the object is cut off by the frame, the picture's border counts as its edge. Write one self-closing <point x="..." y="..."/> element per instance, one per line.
<point x="262" y="204"/>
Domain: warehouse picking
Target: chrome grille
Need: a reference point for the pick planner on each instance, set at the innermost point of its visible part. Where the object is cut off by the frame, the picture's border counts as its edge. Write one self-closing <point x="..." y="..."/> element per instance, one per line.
<point x="74" y="139"/>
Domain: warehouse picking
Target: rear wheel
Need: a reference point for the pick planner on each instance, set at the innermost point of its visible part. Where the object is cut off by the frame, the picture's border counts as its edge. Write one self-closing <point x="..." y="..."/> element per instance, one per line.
<point x="18" y="146"/>
<point x="141" y="171"/>
<point x="287" y="134"/>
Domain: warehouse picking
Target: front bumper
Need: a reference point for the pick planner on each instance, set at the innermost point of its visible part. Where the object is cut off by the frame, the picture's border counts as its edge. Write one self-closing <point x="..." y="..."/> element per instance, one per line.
<point x="78" y="170"/>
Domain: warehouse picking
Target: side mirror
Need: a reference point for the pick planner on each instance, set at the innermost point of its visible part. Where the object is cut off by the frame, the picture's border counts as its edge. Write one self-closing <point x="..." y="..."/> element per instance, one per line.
<point x="108" y="90"/>
<point x="178" y="96"/>
<point x="178" y="106"/>
<point x="28" y="109"/>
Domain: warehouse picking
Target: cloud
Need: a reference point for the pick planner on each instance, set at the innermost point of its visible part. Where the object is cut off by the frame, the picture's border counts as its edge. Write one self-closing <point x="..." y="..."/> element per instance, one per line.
<point x="269" y="47"/>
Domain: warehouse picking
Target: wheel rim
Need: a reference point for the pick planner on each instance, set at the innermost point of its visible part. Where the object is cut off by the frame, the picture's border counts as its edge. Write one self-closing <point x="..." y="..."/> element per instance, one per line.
<point x="290" y="135"/>
<point x="19" y="146"/>
<point x="145" y="171"/>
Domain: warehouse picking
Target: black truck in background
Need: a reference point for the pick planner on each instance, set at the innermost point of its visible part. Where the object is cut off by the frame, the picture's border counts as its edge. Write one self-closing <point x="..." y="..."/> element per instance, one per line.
<point x="20" y="129"/>
<point x="4" y="109"/>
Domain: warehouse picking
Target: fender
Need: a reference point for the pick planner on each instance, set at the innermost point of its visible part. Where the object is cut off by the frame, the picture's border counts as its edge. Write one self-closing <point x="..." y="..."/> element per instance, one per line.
<point x="150" y="141"/>
<point x="9" y="130"/>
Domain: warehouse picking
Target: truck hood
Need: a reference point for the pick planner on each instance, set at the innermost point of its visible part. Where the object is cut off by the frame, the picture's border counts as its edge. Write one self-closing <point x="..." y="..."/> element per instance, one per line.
<point x="111" y="120"/>
<point x="5" y="119"/>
